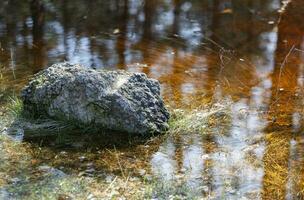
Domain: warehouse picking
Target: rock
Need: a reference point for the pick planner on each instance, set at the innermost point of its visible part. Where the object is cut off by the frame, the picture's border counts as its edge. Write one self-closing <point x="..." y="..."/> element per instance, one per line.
<point x="82" y="158"/>
<point x="50" y="171"/>
<point x="91" y="197"/>
<point x="109" y="178"/>
<point x="113" y="100"/>
<point x="64" y="197"/>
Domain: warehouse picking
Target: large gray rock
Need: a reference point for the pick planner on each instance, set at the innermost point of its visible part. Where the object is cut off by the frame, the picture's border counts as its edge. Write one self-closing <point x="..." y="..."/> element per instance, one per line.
<point x="115" y="100"/>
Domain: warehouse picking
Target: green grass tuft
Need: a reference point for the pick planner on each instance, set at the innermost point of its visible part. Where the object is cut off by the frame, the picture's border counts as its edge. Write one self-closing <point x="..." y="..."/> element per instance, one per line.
<point x="15" y="106"/>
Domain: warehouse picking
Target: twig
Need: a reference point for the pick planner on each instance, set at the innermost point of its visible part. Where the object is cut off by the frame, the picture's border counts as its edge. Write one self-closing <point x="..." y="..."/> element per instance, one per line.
<point x="122" y="172"/>
<point x="126" y="183"/>
<point x="13" y="63"/>
<point x="296" y="49"/>
<point x="213" y="42"/>
<point x="111" y="184"/>
<point x="281" y="68"/>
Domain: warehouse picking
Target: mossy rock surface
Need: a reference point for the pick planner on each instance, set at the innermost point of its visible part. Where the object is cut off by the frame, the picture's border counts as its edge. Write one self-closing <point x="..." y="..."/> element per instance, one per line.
<point x="114" y="100"/>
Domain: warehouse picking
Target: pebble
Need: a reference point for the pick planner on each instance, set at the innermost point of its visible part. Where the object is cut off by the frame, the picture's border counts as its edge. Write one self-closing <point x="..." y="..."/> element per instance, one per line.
<point x="109" y="178"/>
<point x="64" y="197"/>
<point x="142" y="172"/>
<point x="81" y="174"/>
<point x="90" y="170"/>
<point x="232" y="191"/>
<point x="82" y="158"/>
<point x="134" y="179"/>
<point x="183" y="170"/>
<point x="205" y="156"/>
<point x="91" y="197"/>
<point x="205" y="188"/>
<point x="47" y="170"/>
<point x="116" y="31"/>
<point x="270" y="22"/>
<point x="15" y="180"/>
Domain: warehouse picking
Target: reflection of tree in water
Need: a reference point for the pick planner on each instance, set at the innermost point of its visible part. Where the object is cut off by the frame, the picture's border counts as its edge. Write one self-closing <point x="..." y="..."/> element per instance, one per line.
<point x="39" y="48"/>
<point x="83" y="20"/>
<point x="284" y="104"/>
<point x="122" y="38"/>
<point x="149" y="9"/>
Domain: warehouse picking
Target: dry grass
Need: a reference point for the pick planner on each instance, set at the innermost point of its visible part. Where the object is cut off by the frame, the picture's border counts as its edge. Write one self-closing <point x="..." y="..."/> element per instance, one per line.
<point x="278" y="171"/>
<point x="201" y="119"/>
<point x="17" y="164"/>
<point x="14" y="159"/>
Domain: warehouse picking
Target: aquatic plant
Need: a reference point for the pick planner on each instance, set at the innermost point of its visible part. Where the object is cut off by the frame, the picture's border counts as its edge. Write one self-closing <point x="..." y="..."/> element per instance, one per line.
<point x="14" y="160"/>
<point x="24" y="176"/>
<point x="200" y="119"/>
<point x="162" y="189"/>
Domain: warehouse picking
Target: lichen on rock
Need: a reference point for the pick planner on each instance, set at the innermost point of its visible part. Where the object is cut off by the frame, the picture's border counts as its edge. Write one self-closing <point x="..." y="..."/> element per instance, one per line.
<point x="114" y="100"/>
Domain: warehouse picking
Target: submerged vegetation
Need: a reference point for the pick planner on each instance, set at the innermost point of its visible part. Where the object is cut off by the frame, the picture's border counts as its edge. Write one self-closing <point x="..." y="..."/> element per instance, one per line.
<point x="46" y="181"/>
<point x="22" y="178"/>
<point x="32" y="179"/>
<point x="14" y="159"/>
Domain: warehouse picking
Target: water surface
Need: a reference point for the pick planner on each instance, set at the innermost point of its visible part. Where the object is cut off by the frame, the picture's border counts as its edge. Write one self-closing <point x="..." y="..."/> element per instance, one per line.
<point x="250" y="51"/>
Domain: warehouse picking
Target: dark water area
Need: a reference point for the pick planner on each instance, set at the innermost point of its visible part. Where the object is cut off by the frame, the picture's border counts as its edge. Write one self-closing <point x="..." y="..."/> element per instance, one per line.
<point x="201" y="51"/>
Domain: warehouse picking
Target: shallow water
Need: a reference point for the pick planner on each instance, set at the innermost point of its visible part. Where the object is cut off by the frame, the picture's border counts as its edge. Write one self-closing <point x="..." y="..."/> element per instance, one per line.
<point x="202" y="52"/>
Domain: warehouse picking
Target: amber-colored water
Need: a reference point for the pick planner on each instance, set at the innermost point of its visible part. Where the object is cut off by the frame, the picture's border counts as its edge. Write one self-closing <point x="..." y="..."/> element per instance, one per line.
<point x="251" y="51"/>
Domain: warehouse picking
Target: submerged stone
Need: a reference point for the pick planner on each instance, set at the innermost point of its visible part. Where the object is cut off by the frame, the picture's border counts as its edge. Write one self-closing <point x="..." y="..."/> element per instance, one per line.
<point x="114" y="100"/>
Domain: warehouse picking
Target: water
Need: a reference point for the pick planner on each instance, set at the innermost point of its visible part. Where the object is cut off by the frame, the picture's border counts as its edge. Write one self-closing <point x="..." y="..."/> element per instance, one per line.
<point x="202" y="52"/>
